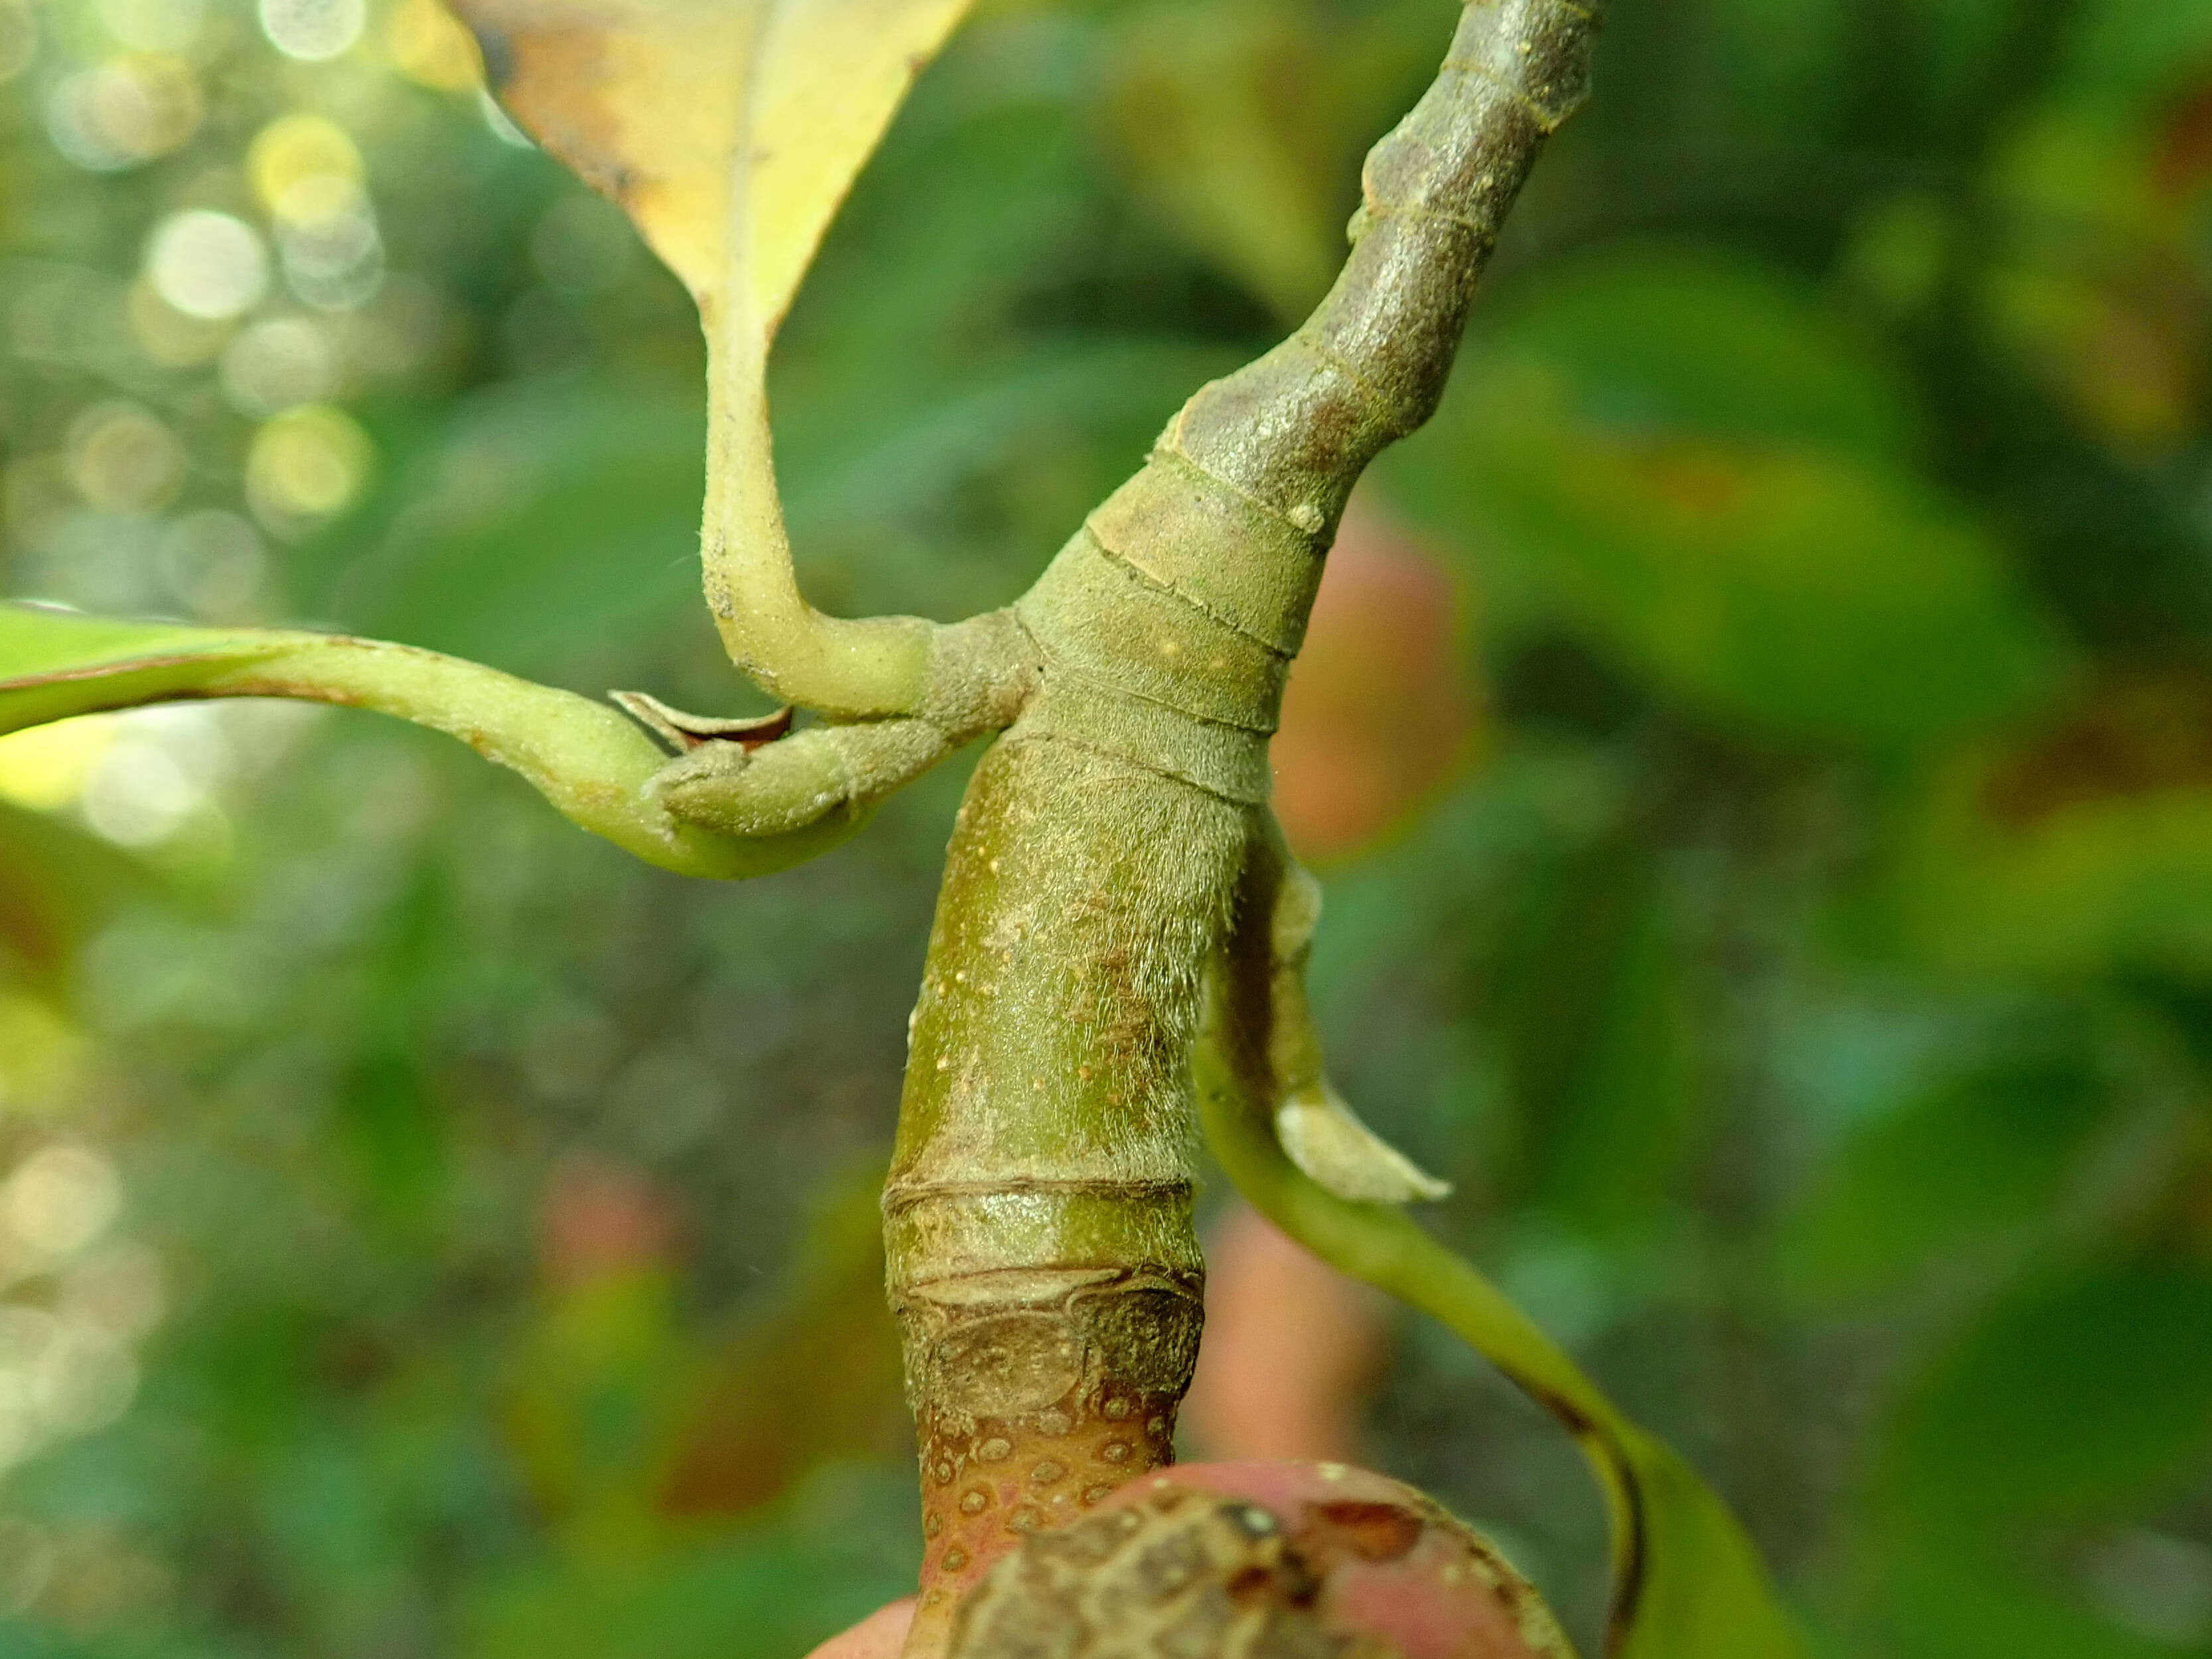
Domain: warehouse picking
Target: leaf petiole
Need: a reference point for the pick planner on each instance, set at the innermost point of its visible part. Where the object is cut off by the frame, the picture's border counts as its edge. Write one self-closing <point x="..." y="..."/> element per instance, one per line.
<point x="590" y="761"/>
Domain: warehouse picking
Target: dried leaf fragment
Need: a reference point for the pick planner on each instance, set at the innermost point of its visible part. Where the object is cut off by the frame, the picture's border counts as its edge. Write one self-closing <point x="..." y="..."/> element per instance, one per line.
<point x="683" y="733"/>
<point x="1326" y="1139"/>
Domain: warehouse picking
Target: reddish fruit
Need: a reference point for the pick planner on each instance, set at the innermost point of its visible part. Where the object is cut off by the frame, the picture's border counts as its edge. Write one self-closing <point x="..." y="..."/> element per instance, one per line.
<point x="1255" y="1558"/>
<point x="1390" y="1564"/>
<point x="879" y="1635"/>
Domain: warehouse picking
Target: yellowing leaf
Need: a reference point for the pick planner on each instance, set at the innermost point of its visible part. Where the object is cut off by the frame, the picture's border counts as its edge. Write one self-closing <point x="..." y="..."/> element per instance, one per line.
<point x="642" y="98"/>
<point x="729" y="130"/>
<point x="657" y="103"/>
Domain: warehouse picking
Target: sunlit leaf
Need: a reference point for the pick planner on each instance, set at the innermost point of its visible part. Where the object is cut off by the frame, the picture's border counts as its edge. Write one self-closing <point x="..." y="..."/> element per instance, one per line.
<point x="729" y="130"/>
<point x="589" y="761"/>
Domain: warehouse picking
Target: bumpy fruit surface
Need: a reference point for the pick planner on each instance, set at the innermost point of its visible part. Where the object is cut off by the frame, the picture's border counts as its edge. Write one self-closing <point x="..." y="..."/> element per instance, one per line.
<point x="1246" y="1561"/>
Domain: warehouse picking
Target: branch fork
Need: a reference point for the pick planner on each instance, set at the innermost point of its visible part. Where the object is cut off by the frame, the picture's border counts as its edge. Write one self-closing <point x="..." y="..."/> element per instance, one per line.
<point x="1119" y="908"/>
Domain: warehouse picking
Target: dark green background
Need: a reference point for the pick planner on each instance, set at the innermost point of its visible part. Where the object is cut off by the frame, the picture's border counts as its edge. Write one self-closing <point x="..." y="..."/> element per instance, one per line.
<point x="1808" y="987"/>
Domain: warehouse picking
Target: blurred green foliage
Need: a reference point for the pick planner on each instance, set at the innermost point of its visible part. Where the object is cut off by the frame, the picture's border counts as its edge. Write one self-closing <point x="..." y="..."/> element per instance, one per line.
<point x="425" y="1233"/>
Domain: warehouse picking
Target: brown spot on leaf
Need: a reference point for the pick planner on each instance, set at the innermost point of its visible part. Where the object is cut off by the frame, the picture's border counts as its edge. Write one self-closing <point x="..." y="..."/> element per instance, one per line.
<point x="2132" y="737"/>
<point x="1373" y="1532"/>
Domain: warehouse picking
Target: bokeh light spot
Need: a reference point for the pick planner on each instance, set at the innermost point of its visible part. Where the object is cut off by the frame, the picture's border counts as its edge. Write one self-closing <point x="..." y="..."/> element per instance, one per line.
<point x="208" y="264"/>
<point x="46" y="767"/>
<point x="333" y="257"/>
<point x="309" y="464"/>
<point x="125" y="112"/>
<point x="430" y="45"/>
<point x="139" y="794"/>
<point x="119" y="1290"/>
<point x="61" y="1198"/>
<point x="279" y="364"/>
<point x="154" y="25"/>
<point x="85" y="1380"/>
<point x="169" y="338"/>
<point x="298" y="147"/>
<point x="123" y="459"/>
<point x="313" y="31"/>
<point x="27" y="1336"/>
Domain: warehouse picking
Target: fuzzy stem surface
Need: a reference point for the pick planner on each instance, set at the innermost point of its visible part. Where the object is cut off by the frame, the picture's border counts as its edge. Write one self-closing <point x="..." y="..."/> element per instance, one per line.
<point x="854" y="669"/>
<point x="1042" y="1258"/>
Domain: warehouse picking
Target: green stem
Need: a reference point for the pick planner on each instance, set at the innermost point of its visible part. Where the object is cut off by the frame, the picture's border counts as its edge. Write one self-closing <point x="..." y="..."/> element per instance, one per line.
<point x="851" y="669"/>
